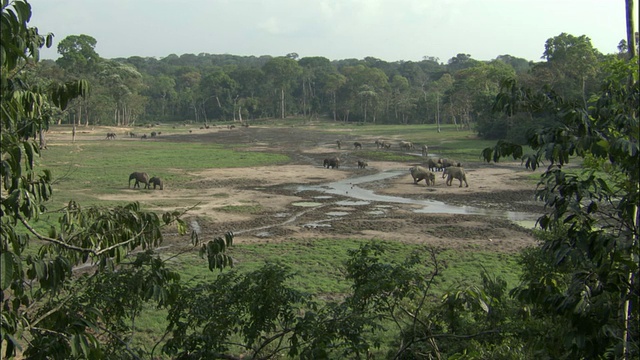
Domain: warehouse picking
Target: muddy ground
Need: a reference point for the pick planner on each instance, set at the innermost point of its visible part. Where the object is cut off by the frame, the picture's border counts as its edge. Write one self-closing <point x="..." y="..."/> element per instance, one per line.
<point x="277" y="196"/>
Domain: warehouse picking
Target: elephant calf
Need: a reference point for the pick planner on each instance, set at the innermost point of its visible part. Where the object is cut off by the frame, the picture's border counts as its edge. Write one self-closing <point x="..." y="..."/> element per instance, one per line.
<point x="455" y="172"/>
<point x="362" y="164"/>
<point x="156" y="181"/>
<point x="139" y="177"/>
<point x="357" y="145"/>
<point x="419" y="173"/>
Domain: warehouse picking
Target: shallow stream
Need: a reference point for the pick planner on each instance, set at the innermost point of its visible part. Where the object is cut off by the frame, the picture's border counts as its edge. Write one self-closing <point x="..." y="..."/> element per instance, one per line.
<point x="349" y="188"/>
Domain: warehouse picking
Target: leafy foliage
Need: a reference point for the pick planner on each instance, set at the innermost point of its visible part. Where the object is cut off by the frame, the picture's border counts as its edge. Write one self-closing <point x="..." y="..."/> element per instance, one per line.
<point x="43" y="300"/>
<point x="590" y="280"/>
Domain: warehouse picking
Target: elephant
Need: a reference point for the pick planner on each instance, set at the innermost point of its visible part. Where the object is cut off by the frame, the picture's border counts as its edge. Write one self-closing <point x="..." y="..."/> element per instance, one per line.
<point x="433" y="165"/>
<point x="455" y="172"/>
<point x="379" y="143"/>
<point x="357" y="145"/>
<point x="419" y="173"/>
<point x="339" y="144"/>
<point x="156" y="181"/>
<point x="144" y="136"/>
<point x="406" y="145"/>
<point x="425" y="150"/>
<point x="333" y="163"/>
<point x="111" y="135"/>
<point x="139" y="177"/>
<point x="447" y="162"/>
<point x="362" y="164"/>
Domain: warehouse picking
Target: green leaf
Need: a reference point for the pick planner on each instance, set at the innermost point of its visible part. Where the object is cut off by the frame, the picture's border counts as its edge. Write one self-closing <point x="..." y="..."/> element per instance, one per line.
<point x="6" y="269"/>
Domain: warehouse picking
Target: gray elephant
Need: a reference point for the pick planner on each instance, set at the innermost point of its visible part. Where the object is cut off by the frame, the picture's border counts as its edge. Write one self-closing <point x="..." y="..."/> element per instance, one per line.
<point x="156" y="181"/>
<point x="333" y="163"/>
<point x="455" y="172"/>
<point x="448" y="162"/>
<point x="433" y="165"/>
<point x="362" y="164"/>
<point x="139" y="177"/>
<point x="357" y="145"/>
<point x="406" y="145"/>
<point x="419" y="173"/>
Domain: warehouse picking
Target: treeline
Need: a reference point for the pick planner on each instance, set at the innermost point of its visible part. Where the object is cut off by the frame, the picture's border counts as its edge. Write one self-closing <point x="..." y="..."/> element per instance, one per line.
<point x="207" y="87"/>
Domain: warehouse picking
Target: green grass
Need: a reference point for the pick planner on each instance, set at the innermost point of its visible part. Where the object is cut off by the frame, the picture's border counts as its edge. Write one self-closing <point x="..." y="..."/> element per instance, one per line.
<point x="86" y="169"/>
<point x="319" y="263"/>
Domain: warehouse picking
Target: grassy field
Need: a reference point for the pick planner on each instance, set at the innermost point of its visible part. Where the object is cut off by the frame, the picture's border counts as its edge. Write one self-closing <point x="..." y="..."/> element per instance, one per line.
<point x="87" y="168"/>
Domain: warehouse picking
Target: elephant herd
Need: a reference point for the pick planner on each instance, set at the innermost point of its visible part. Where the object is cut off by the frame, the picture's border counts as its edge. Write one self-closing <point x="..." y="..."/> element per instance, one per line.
<point x="451" y="169"/>
<point x="143" y="177"/>
<point x="384" y="144"/>
<point x="334" y="163"/>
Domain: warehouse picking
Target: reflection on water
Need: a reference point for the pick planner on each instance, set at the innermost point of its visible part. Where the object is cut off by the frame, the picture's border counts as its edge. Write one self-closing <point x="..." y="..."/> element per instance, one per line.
<point x="349" y="188"/>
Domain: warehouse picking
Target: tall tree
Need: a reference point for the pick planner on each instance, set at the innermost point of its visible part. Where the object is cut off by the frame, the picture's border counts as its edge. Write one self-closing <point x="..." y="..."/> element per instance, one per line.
<point x="572" y="56"/>
<point x="334" y="83"/>
<point x="283" y="72"/>
<point x="221" y="90"/>
<point x="78" y="54"/>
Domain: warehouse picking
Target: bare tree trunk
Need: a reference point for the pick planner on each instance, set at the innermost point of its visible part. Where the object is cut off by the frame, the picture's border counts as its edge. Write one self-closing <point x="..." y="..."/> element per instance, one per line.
<point x="631" y="34"/>
<point x="73" y="130"/>
<point x="627" y="306"/>
<point x="282" y="101"/>
<point x="453" y="116"/>
<point x="195" y="112"/>
<point x="43" y="141"/>
<point x="86" y="114"/>
<point x="438" y="111"/>
<point x="335" y="115"/>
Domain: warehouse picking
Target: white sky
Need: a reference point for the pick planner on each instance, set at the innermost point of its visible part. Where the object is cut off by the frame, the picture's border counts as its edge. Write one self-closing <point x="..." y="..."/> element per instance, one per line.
<point x="390" y="30"/>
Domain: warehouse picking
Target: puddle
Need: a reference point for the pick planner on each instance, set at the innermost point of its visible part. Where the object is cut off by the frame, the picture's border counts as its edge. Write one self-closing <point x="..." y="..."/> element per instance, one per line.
<point x="349" y="188"/>
<point x="323" y="197"/>
<point x="316" y="225"/>
<point x="337" y="213"/>
<point x="352" y="203"/>
<point x="306" y="204"/>
<point x="529" y="224"/>
<point x="375" y="212"/>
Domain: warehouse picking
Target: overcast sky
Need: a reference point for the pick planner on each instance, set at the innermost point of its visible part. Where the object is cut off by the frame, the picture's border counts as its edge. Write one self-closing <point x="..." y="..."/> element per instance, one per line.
<point x="390" y="30"/>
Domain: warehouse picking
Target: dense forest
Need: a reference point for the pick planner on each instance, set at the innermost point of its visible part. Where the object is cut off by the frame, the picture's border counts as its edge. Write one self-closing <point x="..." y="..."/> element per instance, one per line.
<point x="578" y="292"/>
<point x="207" y="87"/>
